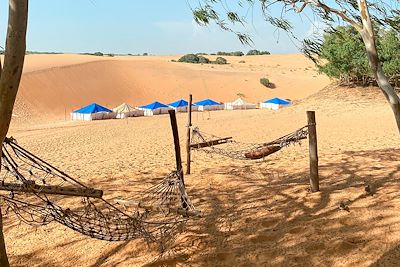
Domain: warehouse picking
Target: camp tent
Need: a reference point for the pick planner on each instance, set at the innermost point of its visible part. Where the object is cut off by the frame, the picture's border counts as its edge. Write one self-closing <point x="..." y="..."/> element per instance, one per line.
<point x="154" y="108"/>
<point x="274" y="103"/>
<point x="240" y="104"/>
<point x="208" y="104"/>
<point x="124" y="111"/>
<point x="93" y="112"/>
<point x="181" y="106"/>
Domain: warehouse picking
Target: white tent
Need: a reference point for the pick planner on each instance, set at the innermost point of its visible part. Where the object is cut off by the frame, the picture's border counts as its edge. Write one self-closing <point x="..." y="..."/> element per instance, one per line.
<point x="240" y="104"/>
<point x="93" y="112"/>
<point x="274" y="103"/>
<point x="208" y="104"/>
<point x="181" y="106"/>
<point x="124" y="111"/>
<point x="154" y="108"/>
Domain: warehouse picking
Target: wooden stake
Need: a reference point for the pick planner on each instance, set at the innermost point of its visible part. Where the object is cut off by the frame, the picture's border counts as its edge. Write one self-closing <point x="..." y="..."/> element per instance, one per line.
<point x="312" y="138"/>
<point x="189" y="125"/>
<point x="174" y="127"/>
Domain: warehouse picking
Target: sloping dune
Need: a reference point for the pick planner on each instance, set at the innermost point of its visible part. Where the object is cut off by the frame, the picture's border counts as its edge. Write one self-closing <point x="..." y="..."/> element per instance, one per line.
<point x="54" y="85"/>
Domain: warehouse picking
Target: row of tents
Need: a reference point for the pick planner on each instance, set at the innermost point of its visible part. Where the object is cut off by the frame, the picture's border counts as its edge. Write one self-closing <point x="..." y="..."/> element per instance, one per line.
<point x="97" y="112"/>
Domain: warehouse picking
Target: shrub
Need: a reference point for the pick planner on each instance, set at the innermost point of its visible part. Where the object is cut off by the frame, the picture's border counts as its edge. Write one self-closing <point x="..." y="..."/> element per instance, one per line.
<point x="145" y="54"/>
<point x="203" y="60"/>
<point x="189" y="58"/>
<point x="242" y="61"/>
<point x="266" y="82"/>
<point x="98" y="54"/>
<point x="221" y="61"/>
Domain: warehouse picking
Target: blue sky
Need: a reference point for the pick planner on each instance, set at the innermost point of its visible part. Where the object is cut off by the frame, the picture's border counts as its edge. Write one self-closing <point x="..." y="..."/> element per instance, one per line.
<point x="133" y="26"/>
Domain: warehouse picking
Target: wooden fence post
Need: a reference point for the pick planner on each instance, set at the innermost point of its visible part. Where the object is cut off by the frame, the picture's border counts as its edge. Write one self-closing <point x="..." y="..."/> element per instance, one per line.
<point x="189" y="125"/>
<point x="313" y="150"/>
<point x="178" y="158"/>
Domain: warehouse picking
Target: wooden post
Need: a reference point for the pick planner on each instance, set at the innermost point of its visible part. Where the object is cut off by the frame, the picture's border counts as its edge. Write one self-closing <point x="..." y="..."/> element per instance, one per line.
<point x="174" y="127"/>
<point x="312" y="139"/>
<point x="189" y="125"/>
<point x="178" y="158"/>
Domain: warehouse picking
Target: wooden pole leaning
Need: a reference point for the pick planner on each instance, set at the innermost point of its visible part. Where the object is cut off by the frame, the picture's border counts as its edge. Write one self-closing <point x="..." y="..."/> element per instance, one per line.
<point x="189" y="125"/>
<point x="175" y="134"/>
<point x="313" y="150"/>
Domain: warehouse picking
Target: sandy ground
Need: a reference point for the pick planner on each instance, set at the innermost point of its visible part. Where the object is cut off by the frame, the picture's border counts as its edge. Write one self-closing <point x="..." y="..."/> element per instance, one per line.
<point x="257" y="213"/>
<point x="54" y="85"/>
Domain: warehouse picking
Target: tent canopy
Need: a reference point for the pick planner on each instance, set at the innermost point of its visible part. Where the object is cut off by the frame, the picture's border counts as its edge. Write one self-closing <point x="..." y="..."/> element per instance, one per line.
<point x="154" y="105"/>
<point x="240" y="102"/>
<point x="179" y="103"/>
<point x="92" y="108"/>
<point x="207" y="102"/>
<point x="123" y="108"/>
<point x="278" y="101"/>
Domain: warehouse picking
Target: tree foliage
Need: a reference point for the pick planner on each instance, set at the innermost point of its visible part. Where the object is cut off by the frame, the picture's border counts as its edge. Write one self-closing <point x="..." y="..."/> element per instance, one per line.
<point x="342" y="55"/>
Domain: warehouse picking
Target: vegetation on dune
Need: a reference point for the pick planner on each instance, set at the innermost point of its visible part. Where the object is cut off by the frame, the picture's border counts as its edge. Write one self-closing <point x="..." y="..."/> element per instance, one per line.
<point x="255" y="52"/>
<point x="266" y="83"/>
<point x="235" y="53"/>
<point x="342" y="55"/>
<point x="196" y="59"/>
<point x="220" y="60"/>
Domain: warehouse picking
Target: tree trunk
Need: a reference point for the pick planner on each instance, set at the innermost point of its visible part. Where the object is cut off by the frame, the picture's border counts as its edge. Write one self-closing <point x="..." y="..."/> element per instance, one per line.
<point x="368" y="37"/>
<point x="10" y="77"/>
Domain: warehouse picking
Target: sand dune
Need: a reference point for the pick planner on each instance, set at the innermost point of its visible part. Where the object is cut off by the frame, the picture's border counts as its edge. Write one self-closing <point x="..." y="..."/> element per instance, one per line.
<point x="53" y="85"/>
<point x="257" y="213"/>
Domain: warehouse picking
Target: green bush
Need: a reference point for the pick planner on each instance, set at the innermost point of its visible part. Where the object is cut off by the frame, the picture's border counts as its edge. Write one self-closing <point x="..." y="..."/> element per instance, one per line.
<point x="189" y="58"/>
<point x="203" y="60"/>
<point x="99" y="54"/>
<point x="344" y="57"/>
<point x="266" y="82"/>
<point x="220" y="60"/>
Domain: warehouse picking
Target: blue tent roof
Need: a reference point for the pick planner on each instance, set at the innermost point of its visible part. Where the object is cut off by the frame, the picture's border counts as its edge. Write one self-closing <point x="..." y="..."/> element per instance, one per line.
<point x="207" y="102"/>
<point x="154" y="105"/>
<point x="278" y="101"/>
<point x="92" y="108"/>
<point x="179" y="103"/>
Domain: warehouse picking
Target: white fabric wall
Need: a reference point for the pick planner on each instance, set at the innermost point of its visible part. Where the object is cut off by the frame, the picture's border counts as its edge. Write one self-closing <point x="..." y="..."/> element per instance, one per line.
<point x="213" y="107"/>
<point x="184" y="109"/>
<point x="270" y="106"/>
<point x="149" y="112"/>
<point x="93" y="116"/>
<point x="230" y="106"/>
<point x="134" y="113"/>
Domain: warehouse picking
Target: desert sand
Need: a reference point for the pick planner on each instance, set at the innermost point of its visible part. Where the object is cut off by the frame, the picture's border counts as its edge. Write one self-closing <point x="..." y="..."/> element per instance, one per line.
<point x="256" y="213"/>
<point x="72" y="81"/>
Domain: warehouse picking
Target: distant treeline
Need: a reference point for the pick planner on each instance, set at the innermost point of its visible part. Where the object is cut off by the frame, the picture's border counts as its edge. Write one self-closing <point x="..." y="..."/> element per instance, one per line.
<point x="253" y="52"/>
<point x="36" y="52"/>
<point x="100" y="54"/>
